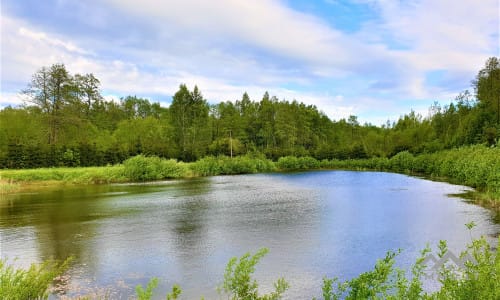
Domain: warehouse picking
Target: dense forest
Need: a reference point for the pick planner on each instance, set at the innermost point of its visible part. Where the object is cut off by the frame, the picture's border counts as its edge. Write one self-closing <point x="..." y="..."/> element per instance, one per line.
<point x="65" y="121"/>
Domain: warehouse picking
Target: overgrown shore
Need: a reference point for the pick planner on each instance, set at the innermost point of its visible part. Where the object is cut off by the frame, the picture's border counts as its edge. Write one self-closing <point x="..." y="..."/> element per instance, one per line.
<point x="475" y="166"/>
<point x="476" y="279"/>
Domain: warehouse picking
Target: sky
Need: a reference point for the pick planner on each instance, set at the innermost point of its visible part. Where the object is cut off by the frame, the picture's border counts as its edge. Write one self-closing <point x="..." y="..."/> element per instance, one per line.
<point x="376" y="59"/>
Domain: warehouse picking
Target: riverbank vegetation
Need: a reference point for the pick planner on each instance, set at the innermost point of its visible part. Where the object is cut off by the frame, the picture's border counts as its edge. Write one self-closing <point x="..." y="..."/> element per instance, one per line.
<point x="66" y="122"/>
<point x="476" y="166"/>
<point x="31" y="283"/>
<point x="476" y="275"/>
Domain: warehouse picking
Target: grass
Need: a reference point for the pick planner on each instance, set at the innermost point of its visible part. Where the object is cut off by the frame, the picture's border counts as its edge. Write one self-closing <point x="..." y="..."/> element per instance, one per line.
<point x="32" y="283"/>
<point x="68" y="175"/>
<point x="476" y="166"/>
<point x="8" y="186"/>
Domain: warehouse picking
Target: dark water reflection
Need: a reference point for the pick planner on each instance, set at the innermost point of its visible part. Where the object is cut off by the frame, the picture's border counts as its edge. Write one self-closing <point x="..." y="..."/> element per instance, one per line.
<point x="331" y="223"/>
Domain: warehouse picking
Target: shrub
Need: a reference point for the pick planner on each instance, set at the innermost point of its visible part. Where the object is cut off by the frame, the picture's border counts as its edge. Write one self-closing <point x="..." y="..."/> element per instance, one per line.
<point x="206" y="166"/>
<point x="238" y="282"/>
<point x="142" y="168"/>
<point x="402" y="162"/>
<point x="288" y="163"/>
<point x="292" y="163"/>
<point x="224" y="165"/>
<point x="479" y="279"/>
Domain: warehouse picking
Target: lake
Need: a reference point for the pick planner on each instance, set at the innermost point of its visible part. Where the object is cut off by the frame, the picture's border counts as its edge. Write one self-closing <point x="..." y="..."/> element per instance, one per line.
<point x="315" y="224"/>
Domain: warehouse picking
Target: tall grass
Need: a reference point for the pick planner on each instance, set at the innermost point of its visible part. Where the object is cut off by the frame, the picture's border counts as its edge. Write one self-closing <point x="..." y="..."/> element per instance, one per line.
<point x="33" y="283"/>
<point x="476" y="166"/>
<point x="292" y="163"/>
<point x="71" y="175"/>
<point x="223" y="165"/>
<point x="142" y="168"/>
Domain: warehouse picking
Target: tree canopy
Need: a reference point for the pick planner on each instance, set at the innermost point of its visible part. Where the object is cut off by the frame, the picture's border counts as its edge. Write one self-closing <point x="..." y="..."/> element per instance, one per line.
<point x="67" y="122"/>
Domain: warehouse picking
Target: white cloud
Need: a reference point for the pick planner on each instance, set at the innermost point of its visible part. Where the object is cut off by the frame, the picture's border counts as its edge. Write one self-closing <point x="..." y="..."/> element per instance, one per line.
<point x="267" y="25"/>
<point x="456" y="36"/>
<point x="122" y="78"/>
<point x="227" y="47"/>
<point x="12" y="99"/>
<point x="41" y="36"/>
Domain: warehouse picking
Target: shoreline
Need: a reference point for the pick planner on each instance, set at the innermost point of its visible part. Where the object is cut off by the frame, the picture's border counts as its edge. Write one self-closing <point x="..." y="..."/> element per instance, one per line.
<point x="9" y="186"/>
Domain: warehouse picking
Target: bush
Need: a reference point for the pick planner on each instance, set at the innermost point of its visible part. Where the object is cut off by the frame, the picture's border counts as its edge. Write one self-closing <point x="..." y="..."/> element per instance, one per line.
<point x="224" y="165"/>
<point x="206" y="166"/>
<point x="142" y="168"/>
<point x="479" y="279"/>
<point x="402" y="162"/>
<point x="292" y="163"/>
<point x="238" y="282"/>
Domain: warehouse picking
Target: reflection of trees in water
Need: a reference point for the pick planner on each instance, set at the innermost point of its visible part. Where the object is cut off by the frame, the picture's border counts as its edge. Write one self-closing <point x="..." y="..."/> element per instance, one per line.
<point x="186" y="221"/>
<point x="62" y="219"/>
<point x="56" y="217"/>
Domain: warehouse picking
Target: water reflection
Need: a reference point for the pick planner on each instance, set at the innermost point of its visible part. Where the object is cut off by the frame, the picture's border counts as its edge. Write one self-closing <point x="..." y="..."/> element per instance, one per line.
<point x="315" y="224"/>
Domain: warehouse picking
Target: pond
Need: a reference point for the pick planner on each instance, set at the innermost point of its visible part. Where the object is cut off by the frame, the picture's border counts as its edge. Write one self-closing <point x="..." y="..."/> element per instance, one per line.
<point x="315" y="224"/>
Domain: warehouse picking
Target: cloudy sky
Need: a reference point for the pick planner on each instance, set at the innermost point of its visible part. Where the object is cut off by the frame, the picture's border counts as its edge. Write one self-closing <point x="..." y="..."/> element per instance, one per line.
<point x="376" y="59"/>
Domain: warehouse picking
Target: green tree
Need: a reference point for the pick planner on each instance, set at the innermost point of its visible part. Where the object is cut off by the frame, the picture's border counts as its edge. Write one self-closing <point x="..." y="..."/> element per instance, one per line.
<point x="88" y="91"/>
<point x="189" y="117"/>
<point x="50" y="90"/>
<point x="487" y="85"/>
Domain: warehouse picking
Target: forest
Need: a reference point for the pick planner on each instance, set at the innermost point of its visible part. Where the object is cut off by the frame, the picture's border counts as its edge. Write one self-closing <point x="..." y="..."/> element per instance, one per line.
<point x="65" y="121"/>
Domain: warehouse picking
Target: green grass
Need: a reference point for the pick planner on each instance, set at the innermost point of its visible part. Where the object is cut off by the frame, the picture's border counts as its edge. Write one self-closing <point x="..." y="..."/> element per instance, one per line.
<point x="223" y="165"/>
<point x="476" y="166"/>
<point x="68" y="175"/>
<point x="32" y="283"/>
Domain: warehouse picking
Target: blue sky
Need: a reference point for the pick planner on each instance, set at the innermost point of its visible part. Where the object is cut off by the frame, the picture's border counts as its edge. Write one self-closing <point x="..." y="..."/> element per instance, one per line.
<point x="376" y="59"/>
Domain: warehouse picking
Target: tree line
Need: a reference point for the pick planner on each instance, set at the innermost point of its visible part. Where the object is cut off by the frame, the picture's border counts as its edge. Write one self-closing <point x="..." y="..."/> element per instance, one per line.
<point x="65" y="121"/>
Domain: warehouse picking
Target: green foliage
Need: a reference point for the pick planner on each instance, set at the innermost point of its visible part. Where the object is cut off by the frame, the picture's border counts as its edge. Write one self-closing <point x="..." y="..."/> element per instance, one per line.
<point x="175" y="293"/>
<point x="70" y="175"/>
<point x="146" y="294"/>
<point x="292" y="163"/>
<point x="223" y="165"/>
<point x="402" y="162"/>
<point x="142" y="168"/>
<point x="476" y="166"/>
<point x="238" y="282"/>
<point x="32" y="283"/>
<point x="189" y="115"/>
<point x="478" y="278"/>
<point x="66" y="122"/>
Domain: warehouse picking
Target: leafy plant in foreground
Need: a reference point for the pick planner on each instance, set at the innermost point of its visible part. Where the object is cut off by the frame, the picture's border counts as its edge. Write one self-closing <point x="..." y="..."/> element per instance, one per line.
<point x="238" y="282"/>
<point x="32" y="283"/>
<point x="479" y="278"/>
<point x="146" y="294"/>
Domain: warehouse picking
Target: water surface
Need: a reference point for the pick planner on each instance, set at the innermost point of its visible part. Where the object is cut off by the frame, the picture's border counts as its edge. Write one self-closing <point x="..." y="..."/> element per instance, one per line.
<point x="315" y="224"/>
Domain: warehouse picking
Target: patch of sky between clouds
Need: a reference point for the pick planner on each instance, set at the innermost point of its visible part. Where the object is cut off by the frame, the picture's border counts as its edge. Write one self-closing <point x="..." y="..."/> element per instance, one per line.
<point x="346" y="16"/>
<point x="434" y="77"/>
<point x="451" y="82"/>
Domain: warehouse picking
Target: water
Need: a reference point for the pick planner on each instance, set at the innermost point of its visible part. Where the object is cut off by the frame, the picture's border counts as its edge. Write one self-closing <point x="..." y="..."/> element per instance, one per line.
<point x="315" y="224"/>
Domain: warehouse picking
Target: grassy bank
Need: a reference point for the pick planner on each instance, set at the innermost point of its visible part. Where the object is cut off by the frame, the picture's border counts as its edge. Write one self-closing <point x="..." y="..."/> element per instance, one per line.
<point x="476" y="166"/>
